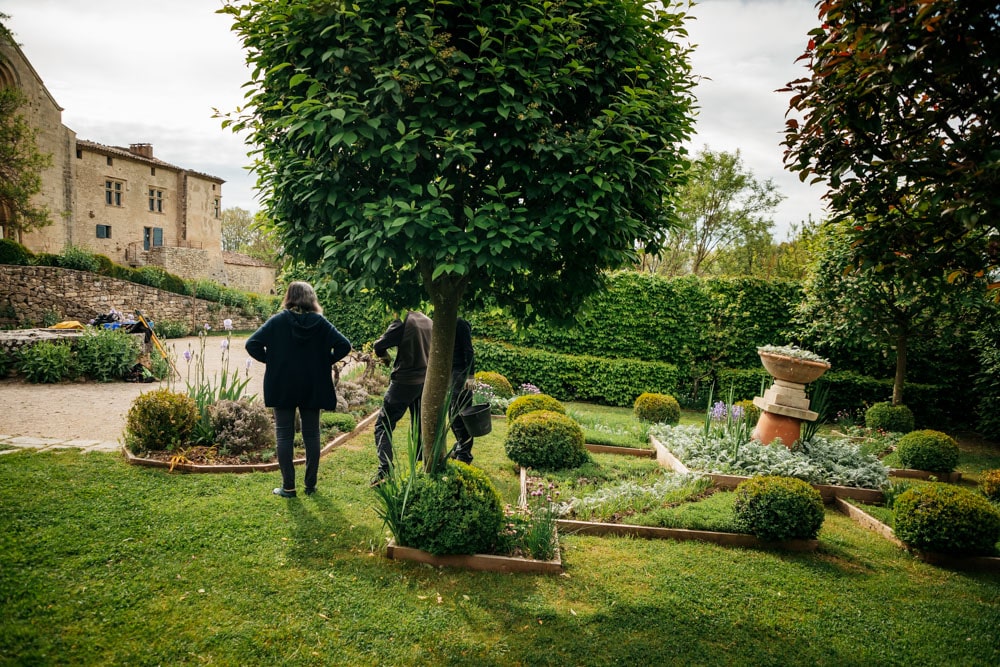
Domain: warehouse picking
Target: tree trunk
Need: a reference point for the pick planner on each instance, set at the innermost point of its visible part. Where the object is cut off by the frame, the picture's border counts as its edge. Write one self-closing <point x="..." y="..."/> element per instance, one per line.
<point x="446" y="296"/>
<point x="897" y="385"/>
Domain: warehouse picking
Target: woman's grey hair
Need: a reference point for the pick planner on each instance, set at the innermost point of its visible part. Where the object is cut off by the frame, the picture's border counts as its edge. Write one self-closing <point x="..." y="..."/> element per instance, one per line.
<point x="302" y="297"/>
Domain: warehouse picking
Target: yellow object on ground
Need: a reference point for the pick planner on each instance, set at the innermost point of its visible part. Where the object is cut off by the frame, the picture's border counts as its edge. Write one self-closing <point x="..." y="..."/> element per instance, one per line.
<point x="68" y="324"/>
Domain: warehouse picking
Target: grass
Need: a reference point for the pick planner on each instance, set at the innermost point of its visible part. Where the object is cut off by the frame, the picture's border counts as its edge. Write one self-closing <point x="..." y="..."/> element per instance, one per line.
<point x="104" y="563"/>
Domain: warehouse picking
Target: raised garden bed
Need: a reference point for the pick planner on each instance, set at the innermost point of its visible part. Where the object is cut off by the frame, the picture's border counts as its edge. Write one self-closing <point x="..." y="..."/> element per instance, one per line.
<point x="244" y="467"/>
<point x="866" y="520"/>
<point x="950" y="477"/>
<point x="481" y="562"/>
<point x="624" y="451"/>
<point x="828" y="491"/>
<point x="572" y="527"/>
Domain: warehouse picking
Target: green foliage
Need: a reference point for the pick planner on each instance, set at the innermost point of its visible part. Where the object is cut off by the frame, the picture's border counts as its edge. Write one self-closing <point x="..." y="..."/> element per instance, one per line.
<point x="500" y="384"/>
<point x="989" y="483"/>
<point x="160" y="420"/>
<point x="341" y="421"/>
<point x="46" y="362"/>
<point x="657" y="408"/>
<point x="947" y="519"/>
<point x="171" y="329"/>
<point x="7" y="362"/>
<point x="106" y="354"/>
<point x="779" y="508"/>
<point x="906" y="75"/>
<point x="74" y="257"/>
<point x="51" y="317"/>
<point x="987" y="379"/>
<point x="522" y="405"/>
<point x="888" y="417"/>
<point x="241" y="426"/>
<point x="928" y="450"/>
<point x="159" y="366"/>
<point x="46" y="259"/>
<point x="545" y="440"/>
<point x="751" y="412"/>
<point x="21" y="162"/>
<point x="208" y="290"/>
<point x="457" y="148"/>
<point x="578" y="378"/>
<point x="12" y="252"/>
<point x="457" y="511"/>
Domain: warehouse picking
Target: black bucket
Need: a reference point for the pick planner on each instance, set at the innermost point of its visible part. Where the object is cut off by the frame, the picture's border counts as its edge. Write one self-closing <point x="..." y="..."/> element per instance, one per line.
<point x="477" y="419"/>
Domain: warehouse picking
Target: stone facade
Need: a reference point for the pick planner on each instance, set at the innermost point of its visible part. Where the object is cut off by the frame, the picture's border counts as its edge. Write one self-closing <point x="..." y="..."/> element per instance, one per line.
<point x="29" y="293"/>
<point x="121" y="202"/>
<point x="249" y="274"/>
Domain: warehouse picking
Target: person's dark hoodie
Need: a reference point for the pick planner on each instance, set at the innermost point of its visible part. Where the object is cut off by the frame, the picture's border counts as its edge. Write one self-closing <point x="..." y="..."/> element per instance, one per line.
<point x="299" y="350"/>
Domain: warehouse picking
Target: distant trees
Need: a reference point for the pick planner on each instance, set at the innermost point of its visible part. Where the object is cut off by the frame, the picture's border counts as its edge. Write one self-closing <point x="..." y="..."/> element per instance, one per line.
<point x="248" y="233"/>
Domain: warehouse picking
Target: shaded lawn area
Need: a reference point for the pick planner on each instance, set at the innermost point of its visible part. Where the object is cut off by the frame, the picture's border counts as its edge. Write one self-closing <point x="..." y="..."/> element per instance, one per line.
<point x="103" y="563"/>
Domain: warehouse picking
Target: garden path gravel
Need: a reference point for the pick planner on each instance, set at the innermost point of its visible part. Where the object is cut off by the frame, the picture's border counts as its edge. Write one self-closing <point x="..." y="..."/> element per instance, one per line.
<point x="97" y="411"/>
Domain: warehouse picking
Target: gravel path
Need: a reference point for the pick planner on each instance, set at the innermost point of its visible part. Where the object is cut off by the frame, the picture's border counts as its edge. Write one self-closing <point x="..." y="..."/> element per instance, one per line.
<point x="96" y="411"/>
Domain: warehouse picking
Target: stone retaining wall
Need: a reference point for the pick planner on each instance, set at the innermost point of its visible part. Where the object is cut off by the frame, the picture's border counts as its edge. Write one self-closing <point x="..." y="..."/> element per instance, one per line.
<point x="29" y="293"/>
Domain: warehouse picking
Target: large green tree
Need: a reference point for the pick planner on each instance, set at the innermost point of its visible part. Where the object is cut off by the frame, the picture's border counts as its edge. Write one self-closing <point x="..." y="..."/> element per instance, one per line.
<point x="21" y="163"/>
<point x="854" y="311"/>
<point x="722" y="206"/>
<point x="249" y="233"/>
<point x="900" y="117"/>
<point x="456" y="151"/>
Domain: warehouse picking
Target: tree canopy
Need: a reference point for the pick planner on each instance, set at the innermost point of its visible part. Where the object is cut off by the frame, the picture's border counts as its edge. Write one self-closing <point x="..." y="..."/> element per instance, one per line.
<point x="21" y="163"/>
<point x="460" y="150"/>
<point x="900" y="116"/>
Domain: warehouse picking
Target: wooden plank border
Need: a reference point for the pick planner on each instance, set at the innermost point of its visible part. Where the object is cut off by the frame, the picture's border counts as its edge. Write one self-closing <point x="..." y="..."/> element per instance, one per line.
<point x="624" y="451"/>
<point x="479" y="562"/>
<point x="571" y="527"/>
<point x="132" y="459"/>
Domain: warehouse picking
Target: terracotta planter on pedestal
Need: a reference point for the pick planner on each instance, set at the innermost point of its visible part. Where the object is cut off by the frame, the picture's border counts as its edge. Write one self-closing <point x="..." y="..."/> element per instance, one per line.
<point x="785" y="405"/>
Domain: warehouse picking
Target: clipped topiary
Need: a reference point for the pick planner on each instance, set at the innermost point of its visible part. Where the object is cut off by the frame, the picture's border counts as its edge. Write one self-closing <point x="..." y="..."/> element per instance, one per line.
<point x="501" y="386"/>
<point x="946" y="519"/>
<point x="455" y="511"/>
<point x="989" y="483"/>
<point x="241" y="426"/>
<point x="657" y="408"/>
<point x="160" y="420"/>
<point x="522" y="405"/>
<point x="341" y="421"/>
<point x="779" y="508"/>
<point x="885" y="416"/>
<point x="928" y="450"/>
<point x="546" y="440"/>
<point x="12" y="252"/>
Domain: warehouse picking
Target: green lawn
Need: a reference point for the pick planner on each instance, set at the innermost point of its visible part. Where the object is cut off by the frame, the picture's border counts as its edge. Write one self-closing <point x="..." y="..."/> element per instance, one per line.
<point x="103" y="563"/>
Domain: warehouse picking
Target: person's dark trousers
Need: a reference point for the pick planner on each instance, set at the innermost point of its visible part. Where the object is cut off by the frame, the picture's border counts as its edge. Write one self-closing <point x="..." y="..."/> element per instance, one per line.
<point x="284" y="428"/>
<point x="398" y="398"/>
<point x="460" y="398"/>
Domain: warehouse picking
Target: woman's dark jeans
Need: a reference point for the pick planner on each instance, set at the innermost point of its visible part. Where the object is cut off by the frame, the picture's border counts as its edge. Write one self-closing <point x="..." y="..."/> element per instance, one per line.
<point x="284" y="427"/>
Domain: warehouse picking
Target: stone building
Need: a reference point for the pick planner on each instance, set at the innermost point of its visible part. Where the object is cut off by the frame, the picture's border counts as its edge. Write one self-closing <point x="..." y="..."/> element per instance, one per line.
<point x="118" y="201"/>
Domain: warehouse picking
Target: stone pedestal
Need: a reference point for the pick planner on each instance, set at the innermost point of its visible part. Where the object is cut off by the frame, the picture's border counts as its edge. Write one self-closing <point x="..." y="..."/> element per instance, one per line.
<point x="783" y="409"/>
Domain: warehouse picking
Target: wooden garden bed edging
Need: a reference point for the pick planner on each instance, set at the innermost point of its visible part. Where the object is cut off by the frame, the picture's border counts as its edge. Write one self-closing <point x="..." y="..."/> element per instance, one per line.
<point x="480" y="562"/>
<point x="624" y="451"/>
<point x="681" y="534"/>
<point x="828" y="491"/>
<point x="907" y="473"/>
<point x="866" y="520"/>
<point x="246" y="467"/>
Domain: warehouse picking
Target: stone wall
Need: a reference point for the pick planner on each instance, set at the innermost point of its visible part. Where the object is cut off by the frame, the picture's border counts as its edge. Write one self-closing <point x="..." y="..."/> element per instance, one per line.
<point x="31" y="292"/>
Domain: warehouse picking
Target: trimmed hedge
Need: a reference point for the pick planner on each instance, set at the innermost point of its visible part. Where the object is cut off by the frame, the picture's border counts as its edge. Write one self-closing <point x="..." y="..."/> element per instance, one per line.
<point x="946" y="519"/>
<point x="928" y="450"/>
<point x="578" y="378"/>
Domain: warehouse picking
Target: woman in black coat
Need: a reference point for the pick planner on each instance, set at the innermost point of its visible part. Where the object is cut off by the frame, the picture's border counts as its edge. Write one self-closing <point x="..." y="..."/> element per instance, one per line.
<point x="298" y="347"/>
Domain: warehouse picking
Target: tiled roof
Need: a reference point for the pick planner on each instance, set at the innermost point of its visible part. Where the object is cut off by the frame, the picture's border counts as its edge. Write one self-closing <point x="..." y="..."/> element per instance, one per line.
<point x="121" y="151"/>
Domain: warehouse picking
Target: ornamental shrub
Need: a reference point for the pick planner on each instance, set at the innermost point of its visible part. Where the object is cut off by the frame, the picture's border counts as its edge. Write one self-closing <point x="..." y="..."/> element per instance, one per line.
<point x="947" y="519"/>
<point x="454" y="511"/>
<point x="46" y="362"/>
<point x="522" y="405"/>
<point x="657" y="408"/>
<point x="888" y="417"/>
<point x="171" y="328"/>
<point x="74" y="257"/>
<point x="106" y="354"/>
<point x="546" y="440"/>
<point x="46" y="259"/>
<point x="779" y="508"/>
<point x="12" y="252"/>
<point x="160" y="420"/>
<point x="928" y="450"/>
<point x="341" y="421"/>
<point x="989" y="484"/>
<point x="241" y="426"/>
<point x="501" y="385"/>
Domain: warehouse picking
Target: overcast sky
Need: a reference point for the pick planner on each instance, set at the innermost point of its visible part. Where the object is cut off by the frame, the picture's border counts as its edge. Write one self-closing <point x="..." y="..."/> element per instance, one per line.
<point x="151" y="71"/>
